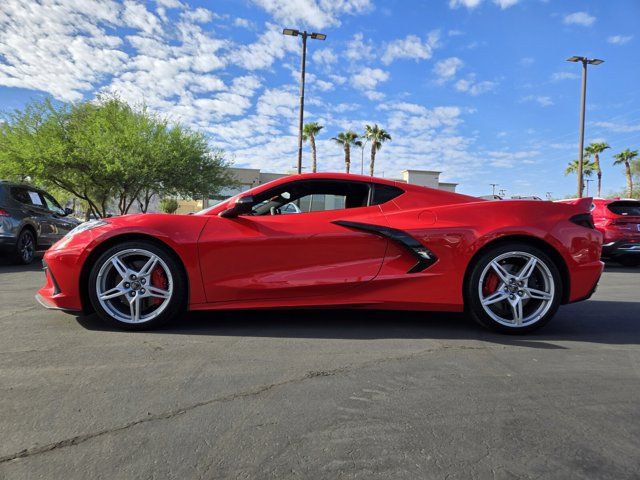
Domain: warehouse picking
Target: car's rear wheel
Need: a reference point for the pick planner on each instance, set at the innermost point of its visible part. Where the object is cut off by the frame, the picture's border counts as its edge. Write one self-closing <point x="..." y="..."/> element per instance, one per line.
<point x="137" y="285"/>
<point x="25" y="247"/>
<point x="513" y="288"/>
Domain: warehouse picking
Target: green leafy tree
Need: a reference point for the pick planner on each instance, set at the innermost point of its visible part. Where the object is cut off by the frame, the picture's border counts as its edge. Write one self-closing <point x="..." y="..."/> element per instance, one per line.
<point x="169" y="205"/>
<point x="587" y="169"/>
<point x="309" y="133"/>
<point x="594" y="150"/>
<point x="626" y="158"/>
<point x="106" y="152"/>
<point x="377" y="136"/>
<point x="347" y="140"/>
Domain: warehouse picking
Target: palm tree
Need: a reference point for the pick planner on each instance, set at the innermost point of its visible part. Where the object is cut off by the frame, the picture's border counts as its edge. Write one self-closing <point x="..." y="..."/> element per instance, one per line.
<point x="347" y="139"/>
<point x="309" y="133"/>
<point x="626" y="157"/>
<point x="595" y="149"/>
<point x="587" y="170"/>
<point x="377" y="136"/>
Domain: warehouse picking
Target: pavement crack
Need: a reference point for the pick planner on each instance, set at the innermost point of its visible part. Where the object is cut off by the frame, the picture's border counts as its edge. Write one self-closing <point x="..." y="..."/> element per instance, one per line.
<point x="78" y="439"/>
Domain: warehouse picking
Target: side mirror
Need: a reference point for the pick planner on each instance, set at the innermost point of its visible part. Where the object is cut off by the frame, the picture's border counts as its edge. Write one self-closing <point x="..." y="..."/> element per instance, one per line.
<point x="243" y="205"/>
<point x="68" y="211"/>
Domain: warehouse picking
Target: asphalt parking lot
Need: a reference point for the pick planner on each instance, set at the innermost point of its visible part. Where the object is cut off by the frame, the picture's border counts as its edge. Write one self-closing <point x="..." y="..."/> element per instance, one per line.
<point x="320" y="394"/>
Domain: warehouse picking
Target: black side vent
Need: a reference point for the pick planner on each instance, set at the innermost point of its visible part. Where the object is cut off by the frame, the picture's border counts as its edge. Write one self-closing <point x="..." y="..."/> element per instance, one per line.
<point x="425" y="257"/>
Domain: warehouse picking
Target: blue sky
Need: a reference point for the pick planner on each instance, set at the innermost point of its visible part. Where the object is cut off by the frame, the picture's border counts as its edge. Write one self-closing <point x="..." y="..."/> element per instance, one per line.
<point x="478" y="89"/>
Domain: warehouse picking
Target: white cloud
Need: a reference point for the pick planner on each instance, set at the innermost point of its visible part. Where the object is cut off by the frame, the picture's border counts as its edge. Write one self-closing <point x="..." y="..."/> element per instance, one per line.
<point x="471" y="4"/>
<point x="137" y="16"/>
<point x="324" y="56"/>
<point x="359" y="49"/>
<point x="198" y="15"/>
<point x="62" y="49"/>
<point x="557" y="76"/>
<point x="505" y="3"/>
<point x="618" y="127"/>
<point x="542" y="100"/>
<point x="472" y="87"/>
<point x="412" y="47"/>
<point x="619" y="39"/>
<point x="464" y="3"/>
<point x="316" y="14"/>
<point x="579" y="18"/>
<point x="446" y="69"/>
<point x="243" y="23"/>
<point x="527" y="61"/>
<point x="368" y="78"/>
<point x="270" y="46"/>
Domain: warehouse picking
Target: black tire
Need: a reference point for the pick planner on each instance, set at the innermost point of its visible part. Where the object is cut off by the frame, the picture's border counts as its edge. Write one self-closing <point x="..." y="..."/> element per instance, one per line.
<point x="176" y="303"/>
<point x="25" y="247"/>
<point x="473" y="304"/>
<point x="629" y="261"/>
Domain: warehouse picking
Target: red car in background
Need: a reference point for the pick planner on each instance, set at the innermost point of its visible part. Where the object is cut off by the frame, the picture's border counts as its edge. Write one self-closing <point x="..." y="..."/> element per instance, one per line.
<point x="619" y="221"/>
<point x="350" y="242"/>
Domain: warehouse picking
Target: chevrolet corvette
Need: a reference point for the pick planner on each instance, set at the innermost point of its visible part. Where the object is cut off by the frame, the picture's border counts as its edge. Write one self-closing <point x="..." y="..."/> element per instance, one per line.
<point x="332" y="240"/>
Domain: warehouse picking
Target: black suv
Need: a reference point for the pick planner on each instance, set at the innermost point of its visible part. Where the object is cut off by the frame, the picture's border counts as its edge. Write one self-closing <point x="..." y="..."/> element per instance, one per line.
<point x="30" y="218"/>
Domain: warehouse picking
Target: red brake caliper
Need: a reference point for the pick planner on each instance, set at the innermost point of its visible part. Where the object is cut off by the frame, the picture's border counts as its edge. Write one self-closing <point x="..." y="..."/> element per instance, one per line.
<point x="490" y="284"/>
<point x="158" y="279"/>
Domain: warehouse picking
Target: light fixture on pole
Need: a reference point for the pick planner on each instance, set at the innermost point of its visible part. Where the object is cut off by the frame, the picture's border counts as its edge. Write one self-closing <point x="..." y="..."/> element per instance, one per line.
<point x="493" y="186"/>
<point x="316" y="36"/>
<point x="585" y="61"/>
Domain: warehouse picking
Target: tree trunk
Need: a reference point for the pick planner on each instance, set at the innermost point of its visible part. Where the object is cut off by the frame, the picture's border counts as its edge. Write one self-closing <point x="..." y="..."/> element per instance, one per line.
<point x="373" y="159"/>
<point x="314" y="166"/>
<point x="596" y="163"/>
<point x="627" y="167"/>
<point x="347" y="157"/>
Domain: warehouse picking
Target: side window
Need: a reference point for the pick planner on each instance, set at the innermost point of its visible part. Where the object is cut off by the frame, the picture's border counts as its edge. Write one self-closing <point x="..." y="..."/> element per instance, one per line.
<point x="21" y="195"/>
<point x="308" y="196"/>
<point x="384" y="193"/>
<point x="51" y="203"/>
<point x="322" y="202"/>
<point x="35" y="198"/>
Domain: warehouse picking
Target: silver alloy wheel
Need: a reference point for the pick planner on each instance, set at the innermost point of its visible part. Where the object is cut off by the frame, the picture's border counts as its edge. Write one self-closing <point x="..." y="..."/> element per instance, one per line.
<point x="124" y="286"/>
<point x="525" y="289"/>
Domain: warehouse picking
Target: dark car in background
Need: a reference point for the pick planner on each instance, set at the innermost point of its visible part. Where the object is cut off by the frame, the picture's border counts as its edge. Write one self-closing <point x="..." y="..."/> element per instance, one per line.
<point x="619" y="221"/>
<point x="30" y="219"/>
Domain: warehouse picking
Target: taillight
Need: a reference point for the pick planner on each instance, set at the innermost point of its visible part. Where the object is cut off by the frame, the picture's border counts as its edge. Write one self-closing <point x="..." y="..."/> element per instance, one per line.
<point x="584" y="220"/>
<point x="4" y="213"/>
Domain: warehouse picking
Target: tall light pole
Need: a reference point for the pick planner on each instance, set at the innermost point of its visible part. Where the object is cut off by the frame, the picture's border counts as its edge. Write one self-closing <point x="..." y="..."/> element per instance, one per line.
<point x="304" y="35"/>
<point x="584" y="61"/>
<point x="588" y="181"/>
<point x="493" y="186"/>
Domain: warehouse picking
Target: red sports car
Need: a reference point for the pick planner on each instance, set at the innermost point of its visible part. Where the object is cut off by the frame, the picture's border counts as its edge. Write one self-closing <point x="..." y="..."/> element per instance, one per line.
<point x="347" y="241"/>
<point x="619" y="221"/>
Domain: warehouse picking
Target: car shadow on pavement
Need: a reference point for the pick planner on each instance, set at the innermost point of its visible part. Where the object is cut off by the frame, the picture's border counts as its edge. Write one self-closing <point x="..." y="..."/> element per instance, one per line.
<point x="593" y="321"/>
<point x="9" y="266"/>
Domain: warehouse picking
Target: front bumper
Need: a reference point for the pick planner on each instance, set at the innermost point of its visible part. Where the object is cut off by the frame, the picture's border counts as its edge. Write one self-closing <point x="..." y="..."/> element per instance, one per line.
<point x="60" y="290"/>
<point x="621" y="247"/>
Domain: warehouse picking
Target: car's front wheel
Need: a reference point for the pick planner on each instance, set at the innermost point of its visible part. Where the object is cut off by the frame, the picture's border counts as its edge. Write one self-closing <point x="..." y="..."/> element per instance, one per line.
<point x="513" y="288"/>
<point x="137" y="285"/>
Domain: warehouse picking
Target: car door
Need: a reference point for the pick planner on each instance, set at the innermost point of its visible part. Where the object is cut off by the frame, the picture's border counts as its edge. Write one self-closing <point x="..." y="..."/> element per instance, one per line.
<point x="60" y="223"/>
<point x="290" y="255"/>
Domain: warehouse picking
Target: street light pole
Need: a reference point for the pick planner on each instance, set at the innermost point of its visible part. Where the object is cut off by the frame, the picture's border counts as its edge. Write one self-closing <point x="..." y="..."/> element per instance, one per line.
<point x="583" y="96"/>
<point x="493" y="186"/>
<point x="303" y="62"/>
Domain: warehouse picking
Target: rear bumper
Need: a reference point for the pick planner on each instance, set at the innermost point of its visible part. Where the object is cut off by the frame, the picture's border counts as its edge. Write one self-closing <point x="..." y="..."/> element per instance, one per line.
<point x="621" y="247"/>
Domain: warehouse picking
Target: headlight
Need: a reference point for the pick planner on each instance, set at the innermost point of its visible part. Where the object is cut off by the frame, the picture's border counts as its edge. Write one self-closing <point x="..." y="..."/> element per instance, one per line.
<point x="83" y="227"/>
